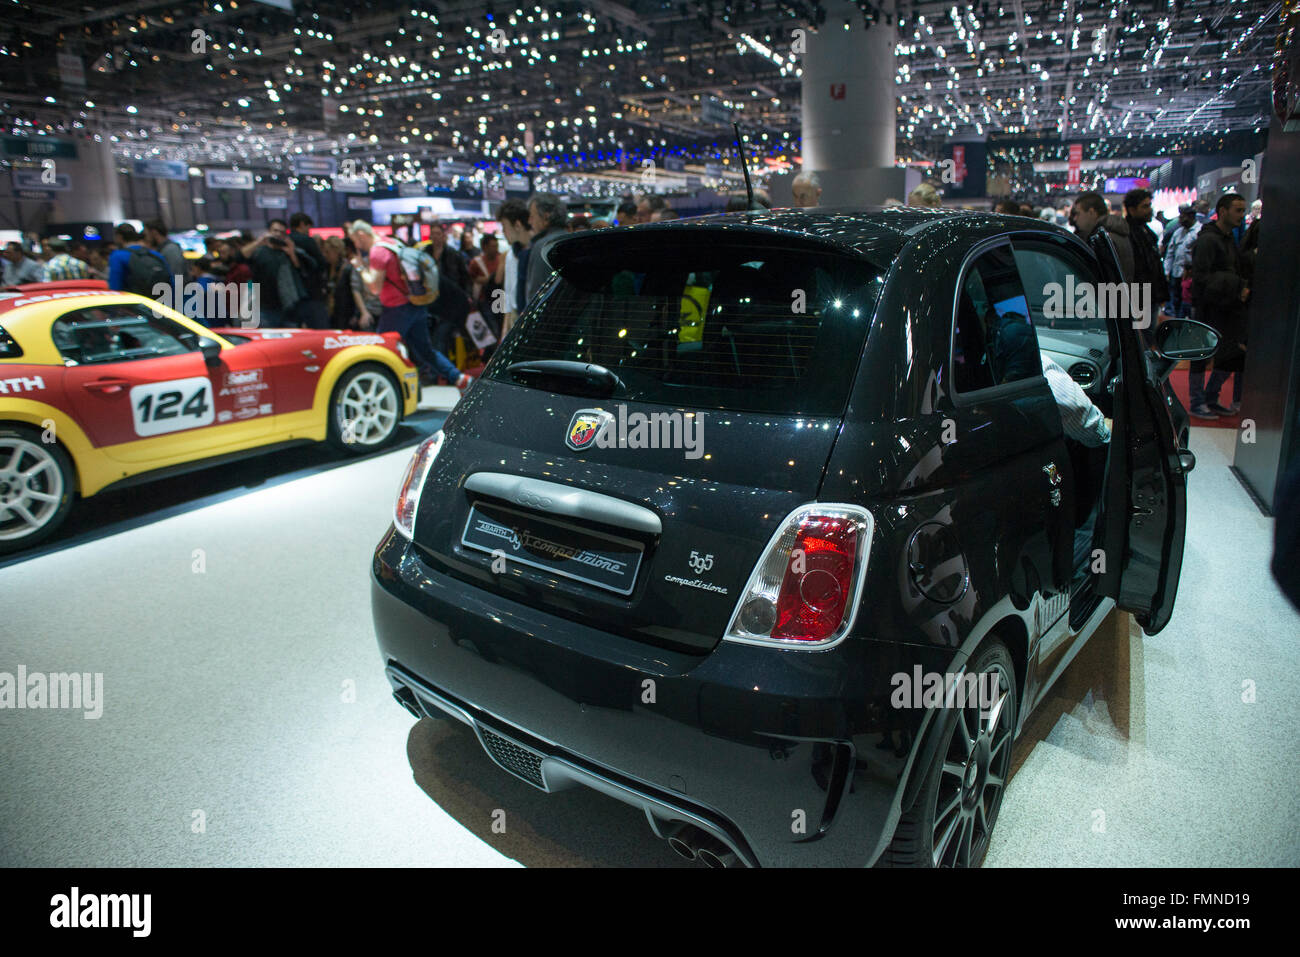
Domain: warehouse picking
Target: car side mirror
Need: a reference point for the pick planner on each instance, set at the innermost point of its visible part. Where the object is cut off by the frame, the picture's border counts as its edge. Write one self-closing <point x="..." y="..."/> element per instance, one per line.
<point x="211" y="350"/>
<point x="1179" y="339"/>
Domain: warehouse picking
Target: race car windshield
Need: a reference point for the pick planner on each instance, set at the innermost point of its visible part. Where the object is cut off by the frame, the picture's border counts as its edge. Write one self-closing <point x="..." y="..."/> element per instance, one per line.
<point x="708" y="322"/>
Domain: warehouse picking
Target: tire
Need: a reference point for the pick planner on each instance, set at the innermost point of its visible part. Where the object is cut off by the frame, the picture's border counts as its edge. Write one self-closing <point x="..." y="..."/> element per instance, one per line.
<point x="369" y="398"/>
<point x="957" y="807"/>
<point x="38" y="486"/>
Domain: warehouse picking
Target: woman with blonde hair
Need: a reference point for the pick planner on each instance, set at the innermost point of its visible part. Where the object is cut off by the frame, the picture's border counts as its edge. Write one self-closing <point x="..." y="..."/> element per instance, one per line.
<point x="925" y="195"/>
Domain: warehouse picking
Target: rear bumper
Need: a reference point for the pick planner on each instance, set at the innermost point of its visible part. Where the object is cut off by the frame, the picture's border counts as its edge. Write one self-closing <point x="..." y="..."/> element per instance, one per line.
<point x="790" y="759"/>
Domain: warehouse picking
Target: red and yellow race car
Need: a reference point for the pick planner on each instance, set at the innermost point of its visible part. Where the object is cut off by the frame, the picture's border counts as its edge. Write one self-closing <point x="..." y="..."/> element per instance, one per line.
<point x="101" y="389"/>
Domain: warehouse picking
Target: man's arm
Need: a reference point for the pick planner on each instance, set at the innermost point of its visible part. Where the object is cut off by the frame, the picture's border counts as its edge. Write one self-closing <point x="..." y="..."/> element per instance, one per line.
<point x="1080" y="419"/>
<point x="373" y="276"/>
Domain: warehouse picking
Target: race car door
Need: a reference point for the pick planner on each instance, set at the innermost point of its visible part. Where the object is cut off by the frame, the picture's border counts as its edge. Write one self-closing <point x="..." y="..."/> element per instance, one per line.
<point x="1144" y="502"/>
<point x="143" y="392"/>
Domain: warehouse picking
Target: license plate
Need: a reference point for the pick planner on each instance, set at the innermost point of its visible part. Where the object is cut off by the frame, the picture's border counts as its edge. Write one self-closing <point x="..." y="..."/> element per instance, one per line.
<point x="594" y="558"/>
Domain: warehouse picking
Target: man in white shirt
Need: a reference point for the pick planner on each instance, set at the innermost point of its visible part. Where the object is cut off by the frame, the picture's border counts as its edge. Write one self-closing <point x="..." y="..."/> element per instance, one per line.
<point x="1083" y="422"/>
<point x="1080" y="419"/>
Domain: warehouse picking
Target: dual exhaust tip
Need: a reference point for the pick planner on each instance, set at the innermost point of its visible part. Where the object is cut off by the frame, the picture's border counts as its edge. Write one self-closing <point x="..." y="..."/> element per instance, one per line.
<point x="687" y="840"/>
<point x="695" y="845"/>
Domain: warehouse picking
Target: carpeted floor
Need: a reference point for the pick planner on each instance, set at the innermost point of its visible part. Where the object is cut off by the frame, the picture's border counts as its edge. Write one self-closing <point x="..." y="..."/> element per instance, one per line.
<point x="1178" y="378"/>
<point x="247" y="720"/>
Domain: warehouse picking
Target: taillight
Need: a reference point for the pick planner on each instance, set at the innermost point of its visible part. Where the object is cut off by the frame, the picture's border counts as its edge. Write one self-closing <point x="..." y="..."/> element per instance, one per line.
<point x="804" y="591"/>
<point x="408" y="496"/>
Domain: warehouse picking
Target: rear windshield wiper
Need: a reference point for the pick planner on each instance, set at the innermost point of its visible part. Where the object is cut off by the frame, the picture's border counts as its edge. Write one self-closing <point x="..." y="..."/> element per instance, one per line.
<point x="565" y="375"/>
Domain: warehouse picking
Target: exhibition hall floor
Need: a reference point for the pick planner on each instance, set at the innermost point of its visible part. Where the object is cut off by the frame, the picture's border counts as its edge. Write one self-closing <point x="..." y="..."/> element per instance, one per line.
<point x="247" y="721"/>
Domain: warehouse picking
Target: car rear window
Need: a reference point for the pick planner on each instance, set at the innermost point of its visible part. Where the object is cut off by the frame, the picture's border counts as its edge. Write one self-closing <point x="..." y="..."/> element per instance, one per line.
<point x="700" y="319"/>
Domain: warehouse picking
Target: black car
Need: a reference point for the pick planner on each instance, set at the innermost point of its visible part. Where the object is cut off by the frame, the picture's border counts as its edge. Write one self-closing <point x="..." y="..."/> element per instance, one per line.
<point x="736" y="489"/>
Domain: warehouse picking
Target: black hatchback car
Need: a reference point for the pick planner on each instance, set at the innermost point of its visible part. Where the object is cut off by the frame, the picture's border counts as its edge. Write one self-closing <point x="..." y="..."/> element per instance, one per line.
<point x="739" y="494"/>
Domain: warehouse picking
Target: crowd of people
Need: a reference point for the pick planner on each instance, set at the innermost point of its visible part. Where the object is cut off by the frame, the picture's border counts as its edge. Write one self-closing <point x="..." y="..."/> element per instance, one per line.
<point x="1192" y="271"/>
<point x="363" y="281"/>
<point x="1199" y="265"/>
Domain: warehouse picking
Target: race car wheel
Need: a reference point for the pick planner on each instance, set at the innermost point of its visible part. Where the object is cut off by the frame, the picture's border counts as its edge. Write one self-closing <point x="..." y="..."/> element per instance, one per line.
<point x="365" y="410"/>
<point x="951" y="822"/>
<point x="37" y="487"/>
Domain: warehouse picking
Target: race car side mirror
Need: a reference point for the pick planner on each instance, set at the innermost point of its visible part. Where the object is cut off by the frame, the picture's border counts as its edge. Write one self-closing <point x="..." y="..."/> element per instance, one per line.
<point x="211" y="350"/>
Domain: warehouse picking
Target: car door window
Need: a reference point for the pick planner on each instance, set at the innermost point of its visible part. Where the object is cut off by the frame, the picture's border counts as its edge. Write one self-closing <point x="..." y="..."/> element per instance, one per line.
<point x="120" y="332"/>
<point x="1052" y="281"/>
<point x="994" y="342"/>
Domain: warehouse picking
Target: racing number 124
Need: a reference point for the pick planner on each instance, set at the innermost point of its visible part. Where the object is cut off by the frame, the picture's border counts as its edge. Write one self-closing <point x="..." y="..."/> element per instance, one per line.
<point x="195" y="406"/>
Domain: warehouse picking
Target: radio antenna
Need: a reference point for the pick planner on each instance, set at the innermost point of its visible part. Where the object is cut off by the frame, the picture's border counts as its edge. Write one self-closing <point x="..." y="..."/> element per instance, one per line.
<point x="744" y="168"/>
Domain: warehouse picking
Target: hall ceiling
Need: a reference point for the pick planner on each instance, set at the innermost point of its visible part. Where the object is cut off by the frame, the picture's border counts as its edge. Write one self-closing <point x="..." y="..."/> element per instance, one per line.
<point x="241" y="82"/>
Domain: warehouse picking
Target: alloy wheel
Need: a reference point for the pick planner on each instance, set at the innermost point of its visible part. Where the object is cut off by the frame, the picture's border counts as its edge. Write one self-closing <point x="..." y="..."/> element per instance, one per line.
<point x="974" y="775"/>
<point x="31" y="487"/>
<point x="367" y="410"/>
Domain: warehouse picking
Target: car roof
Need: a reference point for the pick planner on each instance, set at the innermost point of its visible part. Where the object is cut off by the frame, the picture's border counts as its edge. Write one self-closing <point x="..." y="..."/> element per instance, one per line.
<point x="877" y="233"/>
<point x="15" y="297"/>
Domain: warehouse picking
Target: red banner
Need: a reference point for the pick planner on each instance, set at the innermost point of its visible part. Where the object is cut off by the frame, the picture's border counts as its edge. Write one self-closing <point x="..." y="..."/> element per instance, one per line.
<point x="1076" y="158"/>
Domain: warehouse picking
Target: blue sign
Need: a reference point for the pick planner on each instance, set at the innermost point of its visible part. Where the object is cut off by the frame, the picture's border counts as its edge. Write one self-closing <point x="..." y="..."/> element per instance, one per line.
<point x="271" y="202"/>
<point x="229" y="178"/>
<point x="675" y="164"/>
<point x="39" y="179"/>
<point x="315" y="165"/>
<point x="160" y="169"/>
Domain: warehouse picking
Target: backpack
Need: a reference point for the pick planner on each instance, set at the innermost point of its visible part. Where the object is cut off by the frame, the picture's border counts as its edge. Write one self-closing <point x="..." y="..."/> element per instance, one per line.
<point x="145" y="270"/>
<point x="420" y="271"/>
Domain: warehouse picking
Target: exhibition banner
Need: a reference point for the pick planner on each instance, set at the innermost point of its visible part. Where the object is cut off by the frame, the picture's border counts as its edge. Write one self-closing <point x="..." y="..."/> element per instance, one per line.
<point x="40" y="146"/>
<point x="315" y="165"/>
<point x="448" y="167"/>
<point x="159" y="169"/>
<point x="229" y="178"/>
<point x="39" y="179"/>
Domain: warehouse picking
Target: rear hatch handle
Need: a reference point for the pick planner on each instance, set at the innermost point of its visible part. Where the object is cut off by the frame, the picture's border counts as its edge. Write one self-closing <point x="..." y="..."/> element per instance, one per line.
<point x="565" y="500"/>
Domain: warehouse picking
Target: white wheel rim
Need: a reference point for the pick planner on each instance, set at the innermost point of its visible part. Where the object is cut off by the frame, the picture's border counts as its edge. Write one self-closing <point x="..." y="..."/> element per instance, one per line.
<point x="31" y="488"/>
<point x="367" y="410"/>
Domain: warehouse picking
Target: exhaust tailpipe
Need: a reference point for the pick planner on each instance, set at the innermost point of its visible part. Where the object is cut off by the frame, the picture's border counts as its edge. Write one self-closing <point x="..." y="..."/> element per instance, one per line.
<point x="715" y="854"/>
<point x="406" y="698"/>
<point x="684" y="839"/>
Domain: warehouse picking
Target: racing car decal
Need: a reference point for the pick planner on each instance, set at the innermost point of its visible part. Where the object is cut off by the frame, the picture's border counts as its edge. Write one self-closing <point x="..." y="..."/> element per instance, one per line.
<point x="161" y="407"/>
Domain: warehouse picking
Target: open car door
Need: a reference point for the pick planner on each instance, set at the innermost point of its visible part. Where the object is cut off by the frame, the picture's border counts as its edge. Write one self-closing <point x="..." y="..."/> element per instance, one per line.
<point x="1144" y="502"/>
